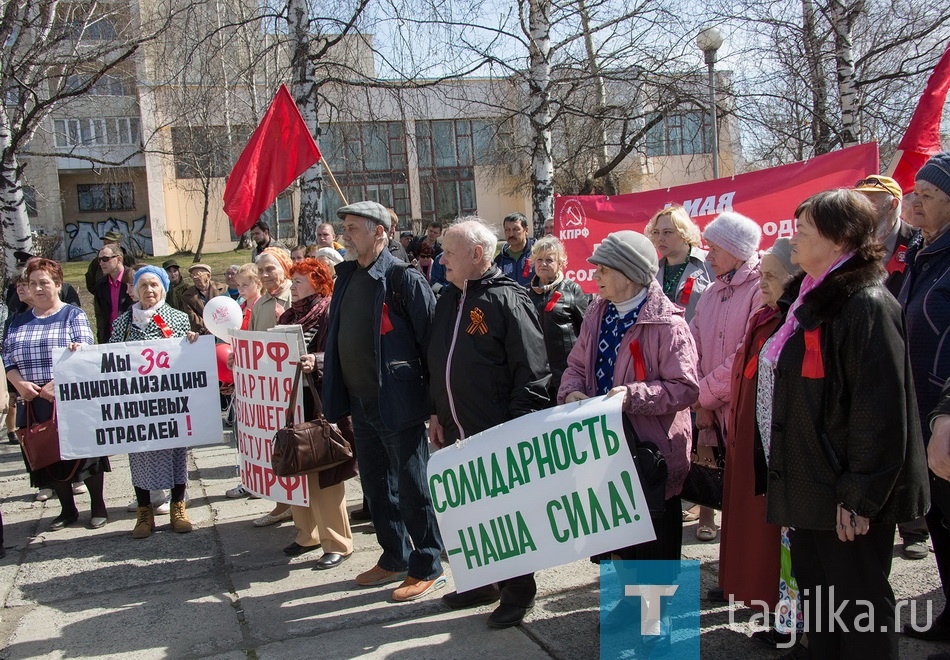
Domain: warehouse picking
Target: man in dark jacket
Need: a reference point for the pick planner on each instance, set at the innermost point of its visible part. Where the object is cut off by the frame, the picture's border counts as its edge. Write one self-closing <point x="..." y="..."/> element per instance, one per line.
<point x="484" y="324"/>
<point x="176" y="291"/>
<point x="514" y="260"/>
<point x="195" y="297"/>
<point x="111" y="295"/>
<point x="374" y="370"/>
<point x="896" y="235"/>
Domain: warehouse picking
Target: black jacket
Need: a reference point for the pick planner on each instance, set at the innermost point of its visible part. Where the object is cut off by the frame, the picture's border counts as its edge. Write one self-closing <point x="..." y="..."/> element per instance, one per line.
<point x="103" y="298"/>
<point x="850" y="432"/>
<point x="907" y="237"/>
<point x="560" y="324"/>
<point x="487" y="360"/>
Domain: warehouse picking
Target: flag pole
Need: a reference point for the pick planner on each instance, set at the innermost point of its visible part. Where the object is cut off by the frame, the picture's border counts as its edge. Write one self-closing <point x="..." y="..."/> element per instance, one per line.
<point x="336" y="185"/>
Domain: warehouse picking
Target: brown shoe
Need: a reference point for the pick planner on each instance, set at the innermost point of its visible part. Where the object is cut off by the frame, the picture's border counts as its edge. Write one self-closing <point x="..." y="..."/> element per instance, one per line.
<point x="377" y="576"/>
<point x="144" y="524"/>
<point x="413" y="588"/>
<point x="180" y="522"/>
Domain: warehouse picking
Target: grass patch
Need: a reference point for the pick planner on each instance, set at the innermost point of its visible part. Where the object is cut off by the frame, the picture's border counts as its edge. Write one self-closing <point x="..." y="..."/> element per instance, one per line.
<point x="74" y="272"/>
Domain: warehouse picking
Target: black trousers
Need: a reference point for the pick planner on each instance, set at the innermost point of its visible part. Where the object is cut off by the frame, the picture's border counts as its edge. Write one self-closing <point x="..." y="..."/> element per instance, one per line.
<point x="857" y="571"/>
<point x="939" y="535"/>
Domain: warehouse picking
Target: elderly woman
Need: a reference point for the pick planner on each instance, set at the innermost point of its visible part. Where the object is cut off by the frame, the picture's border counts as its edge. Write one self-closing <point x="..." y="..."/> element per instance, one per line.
<point x="718" y="327"/>
<point x="924" y="299"/>
<point x="635" y="342"/>
<point x="683" y="272"/>
<point x="152" y="318"/>
<point x="324" y="522"/>
<point x="330" y="257"/>
<point x="273" y="267"/>
<point x="28" y="357"/>
<point x="749" y="550"/>
<point x="846" y="460"/>
<point x="560" y="303"/>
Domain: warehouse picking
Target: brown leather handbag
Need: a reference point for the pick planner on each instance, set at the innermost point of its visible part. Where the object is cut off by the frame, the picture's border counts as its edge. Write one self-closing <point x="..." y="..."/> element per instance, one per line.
<point x="39" y="440"/>
<point x="311" y="446"/>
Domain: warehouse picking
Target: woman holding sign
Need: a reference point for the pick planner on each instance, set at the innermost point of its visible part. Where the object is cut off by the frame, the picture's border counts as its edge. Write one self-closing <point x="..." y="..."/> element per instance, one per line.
<point x="635" y="343"/>
<point x="324" y="522"/>
<point x="153" y="318"/>
<point x="28" y="358"/>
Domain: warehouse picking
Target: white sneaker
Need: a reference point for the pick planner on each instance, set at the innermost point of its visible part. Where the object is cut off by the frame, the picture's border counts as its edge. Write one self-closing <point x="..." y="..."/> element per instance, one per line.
<point x="79" y="488"/>
<point x="44" y="494"/>
<point x="236" y="492"/>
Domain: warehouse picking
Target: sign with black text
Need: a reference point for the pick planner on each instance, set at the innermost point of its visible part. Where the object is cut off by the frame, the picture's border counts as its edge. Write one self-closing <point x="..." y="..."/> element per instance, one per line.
<point x="136" y="396"/>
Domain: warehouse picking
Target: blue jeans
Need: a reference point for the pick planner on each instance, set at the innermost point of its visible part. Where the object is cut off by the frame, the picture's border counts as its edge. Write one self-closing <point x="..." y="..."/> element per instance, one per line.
<point x="393" y="473"/>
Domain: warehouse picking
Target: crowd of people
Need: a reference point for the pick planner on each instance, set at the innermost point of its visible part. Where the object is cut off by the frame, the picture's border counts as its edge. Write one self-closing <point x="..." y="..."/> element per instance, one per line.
<point x="816" y="371"/>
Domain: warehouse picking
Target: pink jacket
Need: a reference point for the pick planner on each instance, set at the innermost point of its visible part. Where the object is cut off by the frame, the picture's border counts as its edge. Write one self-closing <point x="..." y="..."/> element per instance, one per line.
<point x="718" y="327"/>
<point x="659" y="406"/>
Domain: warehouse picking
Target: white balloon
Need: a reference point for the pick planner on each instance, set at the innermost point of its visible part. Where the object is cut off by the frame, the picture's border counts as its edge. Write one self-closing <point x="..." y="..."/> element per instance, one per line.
<point x="221" y="315"/>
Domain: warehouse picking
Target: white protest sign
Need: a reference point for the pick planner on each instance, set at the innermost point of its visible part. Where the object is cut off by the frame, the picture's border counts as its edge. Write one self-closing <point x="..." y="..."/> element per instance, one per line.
<point x="264" y="367"/>
<point x="539" y="491"/>
<point x="135" y="396"/>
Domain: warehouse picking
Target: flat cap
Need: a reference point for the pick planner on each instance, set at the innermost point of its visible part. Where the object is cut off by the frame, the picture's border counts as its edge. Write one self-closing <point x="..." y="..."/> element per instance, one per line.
<point x="370" y="210"/>
<point x="22" y="256"/>
<point x="112" y="236"/>
<point x="194" y="267"/>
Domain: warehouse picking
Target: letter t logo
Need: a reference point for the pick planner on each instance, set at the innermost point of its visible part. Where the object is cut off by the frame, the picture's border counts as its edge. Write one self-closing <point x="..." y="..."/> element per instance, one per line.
<point x="651" y="610"/>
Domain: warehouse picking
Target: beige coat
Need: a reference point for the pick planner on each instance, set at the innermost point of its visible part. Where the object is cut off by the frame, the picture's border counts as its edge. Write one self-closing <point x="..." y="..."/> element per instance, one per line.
<point x="269" y="308"/>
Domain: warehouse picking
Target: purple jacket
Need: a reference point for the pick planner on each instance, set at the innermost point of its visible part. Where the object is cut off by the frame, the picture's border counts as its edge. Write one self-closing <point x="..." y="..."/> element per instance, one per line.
<point x="719" y="325"/>
<point x="659" y="406"/>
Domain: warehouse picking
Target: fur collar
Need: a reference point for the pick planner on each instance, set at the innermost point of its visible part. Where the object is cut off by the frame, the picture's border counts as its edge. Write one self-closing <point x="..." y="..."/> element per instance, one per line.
<point x="826" y="301"/>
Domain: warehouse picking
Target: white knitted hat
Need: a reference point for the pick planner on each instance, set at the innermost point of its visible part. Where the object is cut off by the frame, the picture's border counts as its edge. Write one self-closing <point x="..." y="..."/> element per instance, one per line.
<point x="734" y="233"/>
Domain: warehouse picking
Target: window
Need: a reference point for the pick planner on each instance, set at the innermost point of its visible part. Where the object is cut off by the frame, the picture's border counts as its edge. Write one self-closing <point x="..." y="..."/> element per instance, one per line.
<point x="105" y="197"/>
<point x="97" y="131"/>
<point x="680" y="134"/>
<point x="206" y="151"/>
<point x="448" y="151"/>
<point x="107" y="85"/>
<point x="369" y="162"/>
<point x="29" y="198"/>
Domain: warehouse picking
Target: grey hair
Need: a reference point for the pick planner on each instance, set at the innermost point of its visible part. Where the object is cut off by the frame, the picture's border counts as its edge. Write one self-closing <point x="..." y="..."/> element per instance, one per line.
<point x="476" y="231"/>
<point x="549" y="244"/>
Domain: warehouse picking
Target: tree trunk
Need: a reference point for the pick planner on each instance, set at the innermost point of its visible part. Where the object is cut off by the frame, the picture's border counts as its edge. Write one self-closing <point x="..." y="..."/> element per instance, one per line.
<point x="305" y="94"/>
<point x="539" y="112"/>
<point x="17" y="233"/>
<point x="600" y="98"/>
<point x="205" y="185"/>
<point x="842" y="19"/>
<point x="820" y="127"/>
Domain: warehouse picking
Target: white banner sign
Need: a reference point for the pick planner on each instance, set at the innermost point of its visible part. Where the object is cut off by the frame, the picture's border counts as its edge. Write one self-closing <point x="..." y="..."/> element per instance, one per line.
<point x="539" y="491"/>
<point x="136" y="396"/>
<point x="264" y="367"/>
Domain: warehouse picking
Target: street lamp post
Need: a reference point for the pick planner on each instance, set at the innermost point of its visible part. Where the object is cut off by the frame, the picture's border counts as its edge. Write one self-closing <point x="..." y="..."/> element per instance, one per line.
<point x="709" y="40"/>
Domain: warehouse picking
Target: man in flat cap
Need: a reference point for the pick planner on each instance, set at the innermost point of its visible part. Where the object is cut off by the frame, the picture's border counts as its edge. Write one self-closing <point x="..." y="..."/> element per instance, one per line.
<point x="176" y="292"/>
<point x="375" y="371"/>
<point x="195" y="297"/>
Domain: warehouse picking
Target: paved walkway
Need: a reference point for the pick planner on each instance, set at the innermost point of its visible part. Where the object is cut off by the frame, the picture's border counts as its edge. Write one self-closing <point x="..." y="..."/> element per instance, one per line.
<point x="227" y="591"/>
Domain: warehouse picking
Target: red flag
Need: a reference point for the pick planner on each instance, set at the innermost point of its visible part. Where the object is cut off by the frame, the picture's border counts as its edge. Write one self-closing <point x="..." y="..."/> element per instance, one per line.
<point x="280" y="150"/>
<point x="922" y="139"/>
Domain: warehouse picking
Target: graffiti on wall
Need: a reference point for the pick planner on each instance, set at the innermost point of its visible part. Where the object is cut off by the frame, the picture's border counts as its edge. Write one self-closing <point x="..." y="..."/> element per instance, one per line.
<point x="83" y="239"/>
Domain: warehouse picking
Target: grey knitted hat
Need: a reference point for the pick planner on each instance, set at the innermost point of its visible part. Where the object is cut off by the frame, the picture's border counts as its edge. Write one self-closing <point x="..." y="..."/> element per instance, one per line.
<point x="370" y="210"/>
<point x="782" y="250"/>
<point x="629" y="252"/>
<point x="734" y="233"/>
<point x="937" y="171"/>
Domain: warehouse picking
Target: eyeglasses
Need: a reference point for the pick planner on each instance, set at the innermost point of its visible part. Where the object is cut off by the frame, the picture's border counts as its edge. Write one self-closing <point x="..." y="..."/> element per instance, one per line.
<point x="871" y="181"/>
<point x="102" y="260"/>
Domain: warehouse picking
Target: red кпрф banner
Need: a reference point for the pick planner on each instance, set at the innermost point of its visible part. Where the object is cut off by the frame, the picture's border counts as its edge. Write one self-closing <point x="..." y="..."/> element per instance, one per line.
<point x="768" y="196"/>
